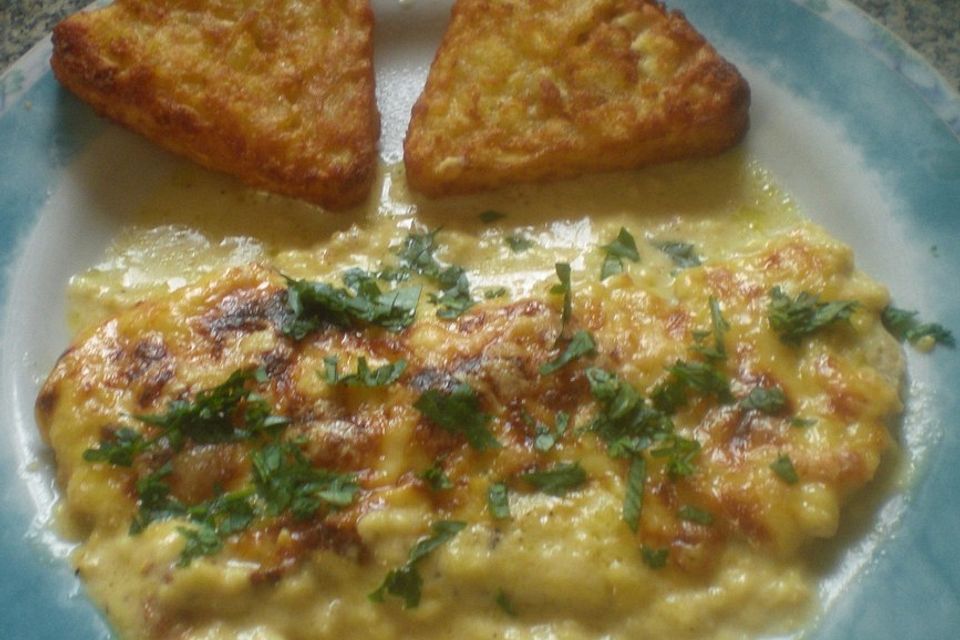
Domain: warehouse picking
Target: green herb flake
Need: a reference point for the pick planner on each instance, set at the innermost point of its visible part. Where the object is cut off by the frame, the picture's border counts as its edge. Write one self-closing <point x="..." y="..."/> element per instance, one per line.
<point x="683" y="254"/>
<point x="680" y="453"/>
<point x="498" y="501"/>
<point x="633" y="497"/>
<point x="719" y="327"/>
<point x="436" y="478"/>
<point x="497" y="292"/>
<point x="518" y="243"/>
<point x="506" y="605"/>
<point x="903" y="325"/>
<point x="405" y="582"/>
<point x="458" y="412"/>
<point x="286" y="481"/>
<point x="557" y="480"/>
<point x="581" y="344"/>
<point x="490" y="216"/>
<point x="784" y="468"/>
<point x="623" y="246"/>
<point x="198" y="541"/>
<point x="691" y="513"/>
<point x="654" y="558"/>
<point x="365" y="376"/>
<point x="794" y="319"/>
<point x="802" y="423"/>
<point x="564" y="289"/>
<point x="768" y="400"/>
<point x="119" y="448"/>
<point x="701" y="377"/>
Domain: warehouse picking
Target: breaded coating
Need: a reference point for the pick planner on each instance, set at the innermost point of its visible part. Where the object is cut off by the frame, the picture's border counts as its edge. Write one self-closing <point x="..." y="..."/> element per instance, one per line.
<point x="529" y="90"/>
<point x="278" y="93"/>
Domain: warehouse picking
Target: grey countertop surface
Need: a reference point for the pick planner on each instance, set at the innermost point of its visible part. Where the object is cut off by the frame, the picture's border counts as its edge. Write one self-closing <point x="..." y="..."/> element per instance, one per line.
<point x="932" y="27"/>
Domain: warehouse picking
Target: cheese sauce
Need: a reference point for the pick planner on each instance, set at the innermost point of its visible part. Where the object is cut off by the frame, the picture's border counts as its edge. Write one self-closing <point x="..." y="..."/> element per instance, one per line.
<point x="568" y="566"/>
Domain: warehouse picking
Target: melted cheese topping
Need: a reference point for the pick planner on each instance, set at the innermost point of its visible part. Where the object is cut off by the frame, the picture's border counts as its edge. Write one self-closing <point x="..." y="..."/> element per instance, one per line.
<point x="201" y="268"/>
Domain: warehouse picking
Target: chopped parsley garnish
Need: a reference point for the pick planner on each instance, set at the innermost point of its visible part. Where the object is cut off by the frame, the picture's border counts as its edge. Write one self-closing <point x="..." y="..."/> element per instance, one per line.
<point x="416" y="256"/>
<point x="365" y="376"/>
<point x="498" y="501"/>
<point x="719" y="328"/>
<point x="454" y="297"/>
<point x="497" y="292"/>
<point x="903" y="325"/>
<point x="155" y="500"/>
<point x="545" y="438"/>
<point x="229" y="412"/>
<point x="683" y="254"/>
<point x="793" y="319"/>
<point x="633" y="497"/>
<point x="701" y="377"/>
<point x="680" y="453"/>
<point x="783" y="467"/>
<point x="436" y="478"/>
<point x="405" y="582"/>
<point x="557" y="480"/>
<point x="518" y="243"/>
<point x="626" y="423"/>
<point x="199" y="541"/>
<point x="654" y="558"/>
<point x="623" y="246"/>
<point x="581" y="344"/>
<point x="802" y="422"/>
<point x="691" y="513"/>
<point x="564" y="289"/>
<point x="490" y="216"/>
<point x="458" y="412"/>
<point x="313" y="305"/>
<point x="503" y="601"/>
<point x="768" y="400"/>
<point x="286" y="481"/>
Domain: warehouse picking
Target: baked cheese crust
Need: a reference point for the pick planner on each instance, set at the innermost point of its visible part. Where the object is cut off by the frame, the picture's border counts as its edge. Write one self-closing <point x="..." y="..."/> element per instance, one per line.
<point x="568" y="562"/>
<point x="528" y="90"/>
<point x="279" y="94"/>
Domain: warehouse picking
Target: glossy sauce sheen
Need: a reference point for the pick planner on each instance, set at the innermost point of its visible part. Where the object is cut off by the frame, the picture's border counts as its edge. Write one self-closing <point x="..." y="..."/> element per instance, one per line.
<point x="202" y="268"/>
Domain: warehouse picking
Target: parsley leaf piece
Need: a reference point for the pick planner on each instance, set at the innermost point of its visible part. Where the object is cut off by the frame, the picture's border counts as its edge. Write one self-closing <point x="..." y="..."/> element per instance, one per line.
<point x="686" y="376"/>
<point x="503" y="601"/>
<point x="564" y="288"/>
<point x="498" y="292"/>
<point x="313" y="305"/>
<point x="625" y="423"/>
<point x="436" y="478"/>
<point x="330" y="373"/>
<point x="768" y="400"/>
<point x="581" y="344"/>
<point x="405" y="582"/>
<point x="633" y="498"/>
<point x="490" y="216"/>
<point x="498" y="501"/>
<point x="719" y="328"/>
<point x="793" y="319"/>
<point x="545" y="438"/>
<point x="654" y="558"/>
<point x="518" y="243"/>
<point x="783" y="467"/>
<point x="691" y="513"/>
<point x="903" y="325"/>
<point x="557" y="480"/>
<point x="228" y="412"/>
<point x="155" y="501"/>
<point x="459" y="413"/>
<point x="623" y="246"/>
<point x="119" y="448"/>
<point x="799" y="422"/>
<point x="416" y="253"/>
<point x="367" y="377"/>
<point x="226" y="513"/>
<point x="680" y="453"/>
<point x="683" y="254"/>
<point x="200" y="541"/>
<point x="286" y="481"/>
<point x="454" y="298"/>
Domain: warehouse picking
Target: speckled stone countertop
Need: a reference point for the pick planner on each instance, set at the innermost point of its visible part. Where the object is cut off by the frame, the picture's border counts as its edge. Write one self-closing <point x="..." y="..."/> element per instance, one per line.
<point x="932" y="27"/>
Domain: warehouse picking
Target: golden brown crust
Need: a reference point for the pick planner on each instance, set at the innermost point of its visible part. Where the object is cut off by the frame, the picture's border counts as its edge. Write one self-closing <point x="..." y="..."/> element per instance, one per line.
<point x="544" y="89"/>
<point x="280" y="95"/>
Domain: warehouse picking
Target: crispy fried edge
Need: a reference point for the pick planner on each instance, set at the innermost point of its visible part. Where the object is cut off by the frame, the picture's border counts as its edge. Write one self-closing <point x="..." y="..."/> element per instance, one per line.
<point x="131" y="100"/>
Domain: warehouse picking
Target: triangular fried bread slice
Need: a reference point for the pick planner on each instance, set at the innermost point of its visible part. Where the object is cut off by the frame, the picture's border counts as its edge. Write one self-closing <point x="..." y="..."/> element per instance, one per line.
<point x="279" y="93"/>
<point x="528" y="90"/>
